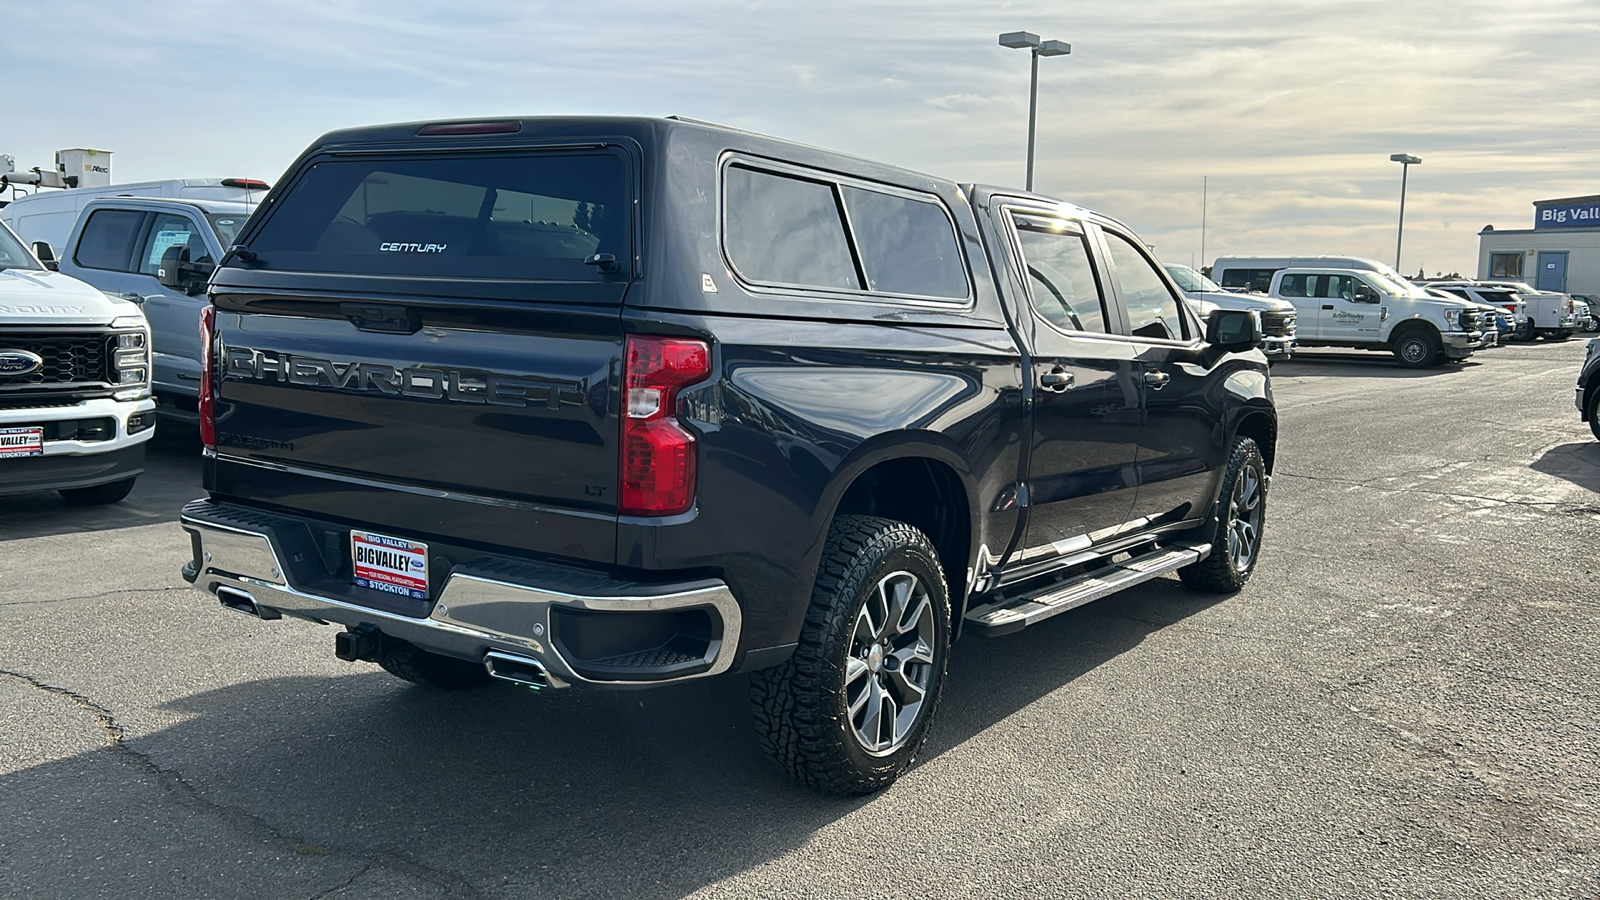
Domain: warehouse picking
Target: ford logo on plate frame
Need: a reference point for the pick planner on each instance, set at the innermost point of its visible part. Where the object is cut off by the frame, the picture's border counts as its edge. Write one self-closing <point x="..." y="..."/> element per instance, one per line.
<point x="19" y="362"/>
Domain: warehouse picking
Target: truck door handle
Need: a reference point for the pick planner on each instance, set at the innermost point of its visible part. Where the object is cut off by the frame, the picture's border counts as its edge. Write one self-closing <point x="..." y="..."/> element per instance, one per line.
<point x="1057" y="380"/>
<point x="132" y="297"/>
<point x="1157" y="380"/>
<point x="1327" y="306"/>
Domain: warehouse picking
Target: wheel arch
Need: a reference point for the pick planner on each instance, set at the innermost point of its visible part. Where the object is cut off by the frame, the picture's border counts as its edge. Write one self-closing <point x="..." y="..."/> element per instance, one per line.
<point x="915" y="480"/>
<point x="1261" y="427"/>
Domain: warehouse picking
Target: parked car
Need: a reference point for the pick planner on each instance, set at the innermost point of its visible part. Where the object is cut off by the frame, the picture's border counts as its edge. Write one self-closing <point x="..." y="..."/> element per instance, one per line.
<point x="1550" y="315"/>
<point x="1510" y="304"/>
<point x="119" y="245"/>
<point x="75" y="408"/>
<point x="1361" y="308"/>
<point x="1588" y="315"/>
<point x="1277" y="316"/>
<point x="512" y="399"/>
<point x="1588" y="391"/>
<point x="1493" y="321"/>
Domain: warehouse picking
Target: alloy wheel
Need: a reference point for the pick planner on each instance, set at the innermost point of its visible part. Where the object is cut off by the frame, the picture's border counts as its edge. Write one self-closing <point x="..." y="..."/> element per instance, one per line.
<point x="1244" y="519"/>
<point x="890" y="663"/>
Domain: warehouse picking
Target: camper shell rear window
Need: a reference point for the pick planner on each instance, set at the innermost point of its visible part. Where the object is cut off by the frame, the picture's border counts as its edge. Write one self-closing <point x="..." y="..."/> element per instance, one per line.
<point x="524" y="215"/>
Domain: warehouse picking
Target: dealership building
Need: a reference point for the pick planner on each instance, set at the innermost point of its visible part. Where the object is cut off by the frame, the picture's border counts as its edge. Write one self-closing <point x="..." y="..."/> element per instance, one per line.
<point x="1561" y="252"/>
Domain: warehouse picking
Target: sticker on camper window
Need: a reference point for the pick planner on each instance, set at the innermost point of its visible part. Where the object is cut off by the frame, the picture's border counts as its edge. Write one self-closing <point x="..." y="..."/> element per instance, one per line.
<point x="389" y="564"/>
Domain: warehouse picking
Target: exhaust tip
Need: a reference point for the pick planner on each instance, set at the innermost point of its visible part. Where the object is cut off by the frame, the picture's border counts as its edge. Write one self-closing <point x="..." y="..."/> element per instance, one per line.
<point x="517" y="669"/>
<point x="233" y="598"/>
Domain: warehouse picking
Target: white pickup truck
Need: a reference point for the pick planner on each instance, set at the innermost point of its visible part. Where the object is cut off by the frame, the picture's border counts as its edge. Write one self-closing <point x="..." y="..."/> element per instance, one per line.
<point x="1366" y="310"/>
<point x="75" y="407"/>
<point x="1547" y="314"/>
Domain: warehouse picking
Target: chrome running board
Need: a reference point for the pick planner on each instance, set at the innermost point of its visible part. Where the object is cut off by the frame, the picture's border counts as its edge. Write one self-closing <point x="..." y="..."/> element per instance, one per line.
<point x="1016" y="613"/>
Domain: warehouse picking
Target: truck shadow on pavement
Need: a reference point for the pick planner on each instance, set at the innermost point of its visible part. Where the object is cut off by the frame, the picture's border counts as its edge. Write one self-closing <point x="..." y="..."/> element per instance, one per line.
<point x="1577" y="462"/>
<point x="655" y="794"/>
<point x="171" y="478"/>
<point x="1370" y="364"/>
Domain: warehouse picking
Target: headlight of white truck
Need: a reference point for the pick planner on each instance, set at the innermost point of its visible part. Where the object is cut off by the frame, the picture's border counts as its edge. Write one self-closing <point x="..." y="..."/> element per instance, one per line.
<point x="130" y="358"/>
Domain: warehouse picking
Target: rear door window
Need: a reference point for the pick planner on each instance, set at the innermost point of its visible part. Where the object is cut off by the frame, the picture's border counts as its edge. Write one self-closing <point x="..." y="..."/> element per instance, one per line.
<point x="530" y="216"/>
<point x="107" y="239"/>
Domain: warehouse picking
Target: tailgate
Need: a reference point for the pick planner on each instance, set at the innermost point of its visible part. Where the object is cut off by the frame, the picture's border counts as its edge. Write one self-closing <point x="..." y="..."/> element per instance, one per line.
<point x="505" y="436"/>
<point x="426" y="342"/>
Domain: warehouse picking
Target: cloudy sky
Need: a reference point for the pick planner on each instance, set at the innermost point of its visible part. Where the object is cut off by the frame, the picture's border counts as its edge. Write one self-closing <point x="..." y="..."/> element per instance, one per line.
<point x="1290" y="109"/>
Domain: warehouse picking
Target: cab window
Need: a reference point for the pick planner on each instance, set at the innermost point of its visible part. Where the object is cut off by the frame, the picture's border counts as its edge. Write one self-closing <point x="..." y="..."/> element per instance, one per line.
<point x="1152" y="307"/>
<point x="1061" y="280"/>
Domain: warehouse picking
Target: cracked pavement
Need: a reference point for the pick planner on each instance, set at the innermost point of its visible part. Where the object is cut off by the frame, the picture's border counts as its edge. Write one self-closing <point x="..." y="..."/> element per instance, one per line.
<point x="1402" y="703"/>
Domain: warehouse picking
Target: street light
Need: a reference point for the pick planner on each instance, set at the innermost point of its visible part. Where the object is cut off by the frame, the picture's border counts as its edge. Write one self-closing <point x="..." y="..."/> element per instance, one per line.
<point x="1018" y="40"/>
<point x="1406" y="161"/>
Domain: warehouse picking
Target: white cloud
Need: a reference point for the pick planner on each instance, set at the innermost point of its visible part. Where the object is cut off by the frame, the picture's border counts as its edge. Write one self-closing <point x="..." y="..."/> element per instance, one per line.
<point x="1291" y="108"/>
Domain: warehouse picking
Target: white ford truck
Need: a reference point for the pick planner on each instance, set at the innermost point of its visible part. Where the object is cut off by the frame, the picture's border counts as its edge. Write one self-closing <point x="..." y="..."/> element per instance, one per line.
<point x="1366" y="310"/>
<point x="75" y="407"/>
<point x="1351" y="301"/>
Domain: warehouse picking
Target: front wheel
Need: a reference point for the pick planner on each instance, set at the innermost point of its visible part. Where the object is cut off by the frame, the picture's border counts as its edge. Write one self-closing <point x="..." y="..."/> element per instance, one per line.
<point x="1418" y="348"/>
<point x="1241" y="512"/>
<point x="849" y="710"/>
<point x="1594" y="414"/>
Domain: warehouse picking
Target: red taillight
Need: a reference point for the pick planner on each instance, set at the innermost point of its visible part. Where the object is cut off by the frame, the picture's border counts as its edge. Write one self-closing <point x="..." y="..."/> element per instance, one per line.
<point x="658" y="454"/>
<point x="208" y="391"/>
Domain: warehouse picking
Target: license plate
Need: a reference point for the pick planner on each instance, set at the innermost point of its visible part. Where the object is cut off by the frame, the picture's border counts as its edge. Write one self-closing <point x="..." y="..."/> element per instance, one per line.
<point x="389" y="564"/>
<point x="21" y="442"/>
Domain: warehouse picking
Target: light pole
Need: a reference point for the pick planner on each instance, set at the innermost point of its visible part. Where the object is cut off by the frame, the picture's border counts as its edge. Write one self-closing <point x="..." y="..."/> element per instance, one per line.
<point x="1406" y="161"/>
<point x="1018" y="40"/>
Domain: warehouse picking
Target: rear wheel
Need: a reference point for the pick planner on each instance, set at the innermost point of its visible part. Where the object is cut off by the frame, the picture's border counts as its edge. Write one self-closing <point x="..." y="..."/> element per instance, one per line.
<point x="1594" y="413"/>
<point x="409" y="662"/>
<point x="1418" y="348"/>
<point x="1241" y="513"/>
<point x="100" y="494"/>
<point x="850" y="709"/>
<point x="1527" y="332"/>
<point x="1557" y="335"/>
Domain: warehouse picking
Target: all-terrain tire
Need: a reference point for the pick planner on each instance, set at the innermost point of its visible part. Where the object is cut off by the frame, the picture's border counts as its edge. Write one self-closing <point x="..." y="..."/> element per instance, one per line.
<point x="409" y="662"/>
<point x="100" y="494"/>
<point x="805" y="710"/>
<point x="1226" y="570"/>
<point x="1418" y="347"/>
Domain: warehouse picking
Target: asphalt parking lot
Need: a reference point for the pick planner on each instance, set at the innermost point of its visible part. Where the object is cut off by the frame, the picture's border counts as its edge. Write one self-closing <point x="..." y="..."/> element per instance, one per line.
<point x="1402" y="703"/>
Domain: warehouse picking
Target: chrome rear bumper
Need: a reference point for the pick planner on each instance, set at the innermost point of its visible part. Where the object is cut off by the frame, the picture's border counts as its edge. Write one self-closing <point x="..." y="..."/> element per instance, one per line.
<point x="476" y="614"/>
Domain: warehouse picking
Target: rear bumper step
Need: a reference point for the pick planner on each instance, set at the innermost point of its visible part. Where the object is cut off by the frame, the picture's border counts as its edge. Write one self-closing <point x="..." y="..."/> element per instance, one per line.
<point x="504" y="613"/>
<point x="1016" y="613"/>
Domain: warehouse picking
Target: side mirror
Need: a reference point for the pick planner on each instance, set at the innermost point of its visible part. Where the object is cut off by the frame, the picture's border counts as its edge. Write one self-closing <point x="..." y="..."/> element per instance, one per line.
<point x="1234" y="330"/>
<point x="1365" y="294"/>
<point x="179" y="274"/>
<point x="173" y="260"/>
<point x="47" y="255"/>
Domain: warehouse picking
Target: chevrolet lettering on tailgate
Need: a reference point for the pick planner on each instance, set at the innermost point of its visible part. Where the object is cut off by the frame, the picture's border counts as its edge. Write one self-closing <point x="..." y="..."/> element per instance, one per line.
<point x="461" y="386"/>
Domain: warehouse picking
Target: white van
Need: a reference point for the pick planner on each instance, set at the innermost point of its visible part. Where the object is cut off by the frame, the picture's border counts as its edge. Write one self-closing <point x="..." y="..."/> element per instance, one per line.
<point x="1254" y="273"/>
<point x="49" y="215"/>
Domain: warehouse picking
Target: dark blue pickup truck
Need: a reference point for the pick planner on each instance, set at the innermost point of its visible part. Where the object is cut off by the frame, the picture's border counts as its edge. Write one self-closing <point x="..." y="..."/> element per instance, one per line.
<point x="620" y="402"/>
